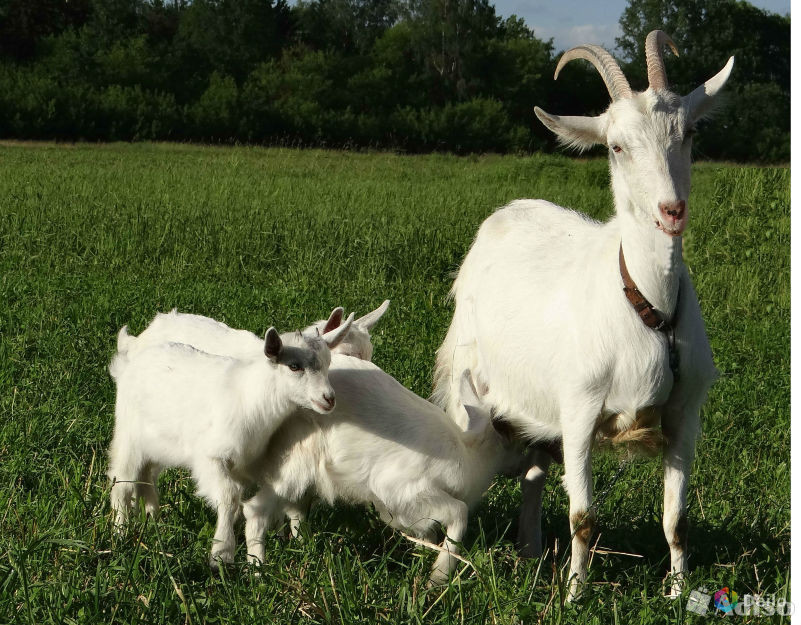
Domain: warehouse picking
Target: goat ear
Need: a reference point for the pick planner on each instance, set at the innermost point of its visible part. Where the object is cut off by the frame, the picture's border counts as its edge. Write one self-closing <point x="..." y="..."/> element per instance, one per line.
<point x="334" y="319"/>
<point x="334" y="337"/>
<point x="272" y="344"/>
<point x="580" y="133"/>
<point x="477" y="416"/>
<point x="371" y="318"/>
<point x="467" y="390"/>
<point x="700" y="101"/>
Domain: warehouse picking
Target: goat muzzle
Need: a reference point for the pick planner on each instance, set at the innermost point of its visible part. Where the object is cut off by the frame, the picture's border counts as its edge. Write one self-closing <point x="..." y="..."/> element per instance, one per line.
<point x="673" y="217"/>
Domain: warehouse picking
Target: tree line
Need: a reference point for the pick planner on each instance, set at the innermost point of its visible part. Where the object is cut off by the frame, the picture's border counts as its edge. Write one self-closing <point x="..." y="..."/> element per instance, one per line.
<point x="412" y="75"/>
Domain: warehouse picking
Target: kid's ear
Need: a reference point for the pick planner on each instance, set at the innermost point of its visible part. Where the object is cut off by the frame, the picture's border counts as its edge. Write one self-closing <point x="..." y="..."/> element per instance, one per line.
<point x="371" y="318"/>
<point x="272" y="344"/>
<point x="335" y="336"/>
<point x="467" y="390"/>
<point x="334" y="319"/>
<point x="477" y="416"/>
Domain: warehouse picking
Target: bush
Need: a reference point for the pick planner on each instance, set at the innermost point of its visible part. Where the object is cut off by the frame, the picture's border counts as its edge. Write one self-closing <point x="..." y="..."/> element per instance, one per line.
<point x="132" y="114"/>
<point x="477" y="125"/>
<point x="215" y="116"/>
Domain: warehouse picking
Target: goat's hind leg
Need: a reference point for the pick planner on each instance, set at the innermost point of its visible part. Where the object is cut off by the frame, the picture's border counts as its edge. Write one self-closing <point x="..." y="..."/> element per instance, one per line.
<point x="126" y="470"/>
<point x="453" y="514"/>
<point x="146" y="488"/>
<point x="296" y="513"/>
<point x="264" y="511"/>
<point x="532" y="486"/>
<point x="122" y="494"/>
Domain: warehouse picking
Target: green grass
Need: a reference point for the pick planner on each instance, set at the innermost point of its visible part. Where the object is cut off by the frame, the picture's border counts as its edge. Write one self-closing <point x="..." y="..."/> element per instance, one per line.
<point x="94" y="237"/>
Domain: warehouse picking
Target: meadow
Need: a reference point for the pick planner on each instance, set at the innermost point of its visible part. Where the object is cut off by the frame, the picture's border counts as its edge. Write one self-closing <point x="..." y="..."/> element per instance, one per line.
<point x="96" y="236"/>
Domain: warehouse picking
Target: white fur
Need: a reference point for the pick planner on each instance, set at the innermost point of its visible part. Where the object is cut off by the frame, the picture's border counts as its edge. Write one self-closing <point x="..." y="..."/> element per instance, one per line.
<point x="202" y="332"/>
<point x="216" y="337"/>
<point x="542" y="321"/>
<point x="357" y="343"/>
<point x="179" y="406"/>
<point x="383" y="446"/>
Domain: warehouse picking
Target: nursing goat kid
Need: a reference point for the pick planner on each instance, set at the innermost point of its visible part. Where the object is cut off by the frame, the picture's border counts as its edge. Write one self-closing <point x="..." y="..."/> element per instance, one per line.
<point x="357" y="343"/>
<point x="542" y="319"/>
<point x="212" y="414"/>
<point x="215" y="337"/>
<point x="384" y="446"/>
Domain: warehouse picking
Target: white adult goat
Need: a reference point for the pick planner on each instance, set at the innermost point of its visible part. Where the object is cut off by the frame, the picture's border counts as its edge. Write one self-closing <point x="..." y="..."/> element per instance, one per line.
<point x="179" y="406"/>
<point x="542" y="320"/>
<point x="384" y="446"/>
<point x="215" y="337"/>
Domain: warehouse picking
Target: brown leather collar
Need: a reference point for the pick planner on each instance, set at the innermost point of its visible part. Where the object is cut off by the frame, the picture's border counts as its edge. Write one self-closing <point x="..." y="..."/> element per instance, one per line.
<point x="648" y="313"/>
<point x="644" y="308"/>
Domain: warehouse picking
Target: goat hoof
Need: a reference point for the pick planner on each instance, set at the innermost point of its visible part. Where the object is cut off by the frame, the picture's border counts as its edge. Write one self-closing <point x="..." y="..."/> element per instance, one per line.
<point x="438" y="579"/>
<point x="254" y="566"/>
<point x="575" y="590"/>
<point x="675" y="583"/>
<point x="527" y="551"/>
<point x="217" y="561"/>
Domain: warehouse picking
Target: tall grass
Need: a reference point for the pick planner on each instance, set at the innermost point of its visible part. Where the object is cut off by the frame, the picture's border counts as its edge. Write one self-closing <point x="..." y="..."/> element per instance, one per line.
<point x="94" y="237"/>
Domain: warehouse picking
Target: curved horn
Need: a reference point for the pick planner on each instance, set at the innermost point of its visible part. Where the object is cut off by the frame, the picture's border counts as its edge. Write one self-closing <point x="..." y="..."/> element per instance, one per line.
<point x="654" y="42"/>
<point x="615" y="81"/>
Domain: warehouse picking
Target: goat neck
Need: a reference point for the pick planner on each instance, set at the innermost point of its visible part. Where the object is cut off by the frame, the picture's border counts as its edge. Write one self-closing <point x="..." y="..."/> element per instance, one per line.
<point x="654" y="261"/>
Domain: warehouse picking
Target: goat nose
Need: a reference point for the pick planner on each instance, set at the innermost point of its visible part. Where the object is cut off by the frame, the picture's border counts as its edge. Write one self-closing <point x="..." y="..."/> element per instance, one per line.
<point x="673" y="210"/>
<point x="330" y="399"/>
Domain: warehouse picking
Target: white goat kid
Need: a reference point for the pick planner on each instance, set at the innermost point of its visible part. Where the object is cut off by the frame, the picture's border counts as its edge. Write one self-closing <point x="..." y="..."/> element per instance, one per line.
<point x="357" y="343"/>
<point x="384" y="446"/>
<point x="215" y="337"/>
<point x="179" y="406"/>
<point x="542" y="319"/>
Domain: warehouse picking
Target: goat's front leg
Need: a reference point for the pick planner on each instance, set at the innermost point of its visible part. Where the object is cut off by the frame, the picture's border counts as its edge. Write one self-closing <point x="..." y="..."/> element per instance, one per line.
<point x="257" y="511"/>
<point x="532" y="485"/>
<point x="225" y="494"/>
<point x="577" y="436"/>
<point x="680" y="429"/>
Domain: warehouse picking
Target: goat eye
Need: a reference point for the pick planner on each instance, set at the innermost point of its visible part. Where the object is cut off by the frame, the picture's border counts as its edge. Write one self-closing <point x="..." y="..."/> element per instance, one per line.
<point x="617" y="149"/>
<point x="295" y="367"/>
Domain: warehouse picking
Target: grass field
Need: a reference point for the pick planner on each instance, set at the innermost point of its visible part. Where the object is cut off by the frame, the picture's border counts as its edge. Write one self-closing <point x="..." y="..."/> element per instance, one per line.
<point x="94" y="237"/>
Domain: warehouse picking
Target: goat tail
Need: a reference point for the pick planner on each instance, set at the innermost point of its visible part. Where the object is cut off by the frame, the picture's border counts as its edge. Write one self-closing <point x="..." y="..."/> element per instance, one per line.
<point x="120" y="359"/>
<point x="442" y="371"/>
<point x="457" y="353"/>
<point x="124" y="340"/>
<point x="117" y="365"/>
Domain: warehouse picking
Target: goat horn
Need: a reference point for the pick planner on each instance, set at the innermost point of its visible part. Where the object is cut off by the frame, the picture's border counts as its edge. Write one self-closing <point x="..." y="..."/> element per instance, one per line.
<point x="610" y="71"/>
<point x="654" y="42"/>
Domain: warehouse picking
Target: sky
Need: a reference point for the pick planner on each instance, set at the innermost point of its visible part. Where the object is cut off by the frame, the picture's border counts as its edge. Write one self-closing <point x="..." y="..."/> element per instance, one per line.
<point x="573" y="22"/>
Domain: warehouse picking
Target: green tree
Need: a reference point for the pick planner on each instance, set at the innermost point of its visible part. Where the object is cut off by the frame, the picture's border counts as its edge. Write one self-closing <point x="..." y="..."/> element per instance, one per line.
<point x="229" y="37"/>
<point x="24" y="23"/>
<point x="450" y="40"/>
<point x="350" y="26"/>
